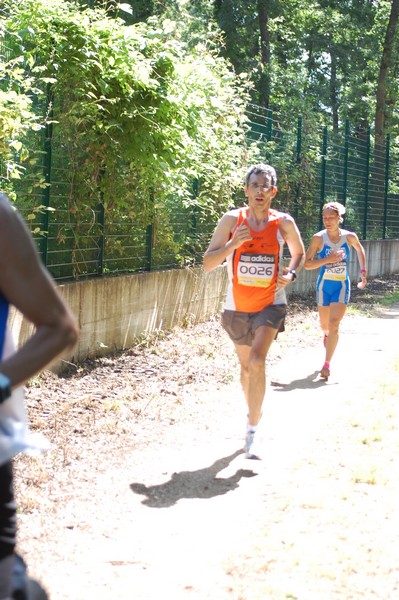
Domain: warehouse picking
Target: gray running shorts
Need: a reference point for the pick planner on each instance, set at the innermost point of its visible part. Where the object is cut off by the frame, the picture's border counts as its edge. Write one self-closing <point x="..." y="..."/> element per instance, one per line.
<point x="241" y="326"/>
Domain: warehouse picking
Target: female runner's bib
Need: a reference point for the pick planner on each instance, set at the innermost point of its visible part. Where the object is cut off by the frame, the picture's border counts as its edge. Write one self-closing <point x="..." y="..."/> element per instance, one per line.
<point x="335" y="271"/>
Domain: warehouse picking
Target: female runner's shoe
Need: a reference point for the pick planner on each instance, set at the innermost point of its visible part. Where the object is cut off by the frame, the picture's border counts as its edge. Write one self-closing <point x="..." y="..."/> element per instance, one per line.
<point x="325" y="372"/>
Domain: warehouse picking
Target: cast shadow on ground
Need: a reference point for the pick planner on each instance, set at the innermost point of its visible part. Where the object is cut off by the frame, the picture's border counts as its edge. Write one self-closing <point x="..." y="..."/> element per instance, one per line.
<point x="310" y="382"/>
<point x="202" y="483"/>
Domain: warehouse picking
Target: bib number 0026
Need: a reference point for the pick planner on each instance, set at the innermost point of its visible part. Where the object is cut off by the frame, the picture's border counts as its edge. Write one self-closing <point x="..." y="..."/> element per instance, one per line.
<point x="256" y="269"/>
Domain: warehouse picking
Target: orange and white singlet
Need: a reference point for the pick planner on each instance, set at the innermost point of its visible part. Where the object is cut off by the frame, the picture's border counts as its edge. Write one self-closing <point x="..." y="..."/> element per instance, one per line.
<point x="253" y="267"/>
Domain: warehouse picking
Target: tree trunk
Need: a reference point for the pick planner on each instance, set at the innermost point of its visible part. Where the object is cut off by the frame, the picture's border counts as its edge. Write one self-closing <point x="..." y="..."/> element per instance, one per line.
<point x="333" y="90"/>
<point x="263" y="16"/>
<point x="381" y="93"/>
<point x="378" y="172"/>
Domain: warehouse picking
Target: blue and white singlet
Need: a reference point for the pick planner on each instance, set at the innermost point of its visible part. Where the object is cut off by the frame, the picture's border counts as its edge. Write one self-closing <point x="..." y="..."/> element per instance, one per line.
<point x="333" y="283"/>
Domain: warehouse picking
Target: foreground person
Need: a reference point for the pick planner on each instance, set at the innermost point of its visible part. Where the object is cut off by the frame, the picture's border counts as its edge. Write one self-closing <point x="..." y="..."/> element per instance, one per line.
<point x="251" y="240"/>
<point x="25" y="284"/>
<point x="329" y="251"/>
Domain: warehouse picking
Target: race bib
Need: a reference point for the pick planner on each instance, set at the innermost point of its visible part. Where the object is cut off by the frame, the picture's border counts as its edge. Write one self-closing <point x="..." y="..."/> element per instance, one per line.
<point x="335" y="272"/>
<point x="256" y="270"/>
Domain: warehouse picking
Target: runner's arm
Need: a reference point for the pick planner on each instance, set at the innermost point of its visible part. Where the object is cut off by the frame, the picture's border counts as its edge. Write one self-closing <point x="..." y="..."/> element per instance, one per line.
<point x="292" y="237"/>
<point x="223" y="243"/>
<point x="361" y="256"/>
<point x="26" y="284"/>
<point x="314" y="247"/>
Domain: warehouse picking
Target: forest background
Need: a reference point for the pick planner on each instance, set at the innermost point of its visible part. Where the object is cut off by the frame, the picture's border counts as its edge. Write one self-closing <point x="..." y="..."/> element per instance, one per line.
<point x="135" y="116"/>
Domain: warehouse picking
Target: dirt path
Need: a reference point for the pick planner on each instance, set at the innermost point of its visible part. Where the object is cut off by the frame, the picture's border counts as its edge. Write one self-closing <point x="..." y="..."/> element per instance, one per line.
<point x="168" y="506"/>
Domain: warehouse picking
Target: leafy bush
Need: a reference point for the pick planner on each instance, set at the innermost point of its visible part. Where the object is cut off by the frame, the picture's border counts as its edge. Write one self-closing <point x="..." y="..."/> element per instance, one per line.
<point x="135" y="116"/>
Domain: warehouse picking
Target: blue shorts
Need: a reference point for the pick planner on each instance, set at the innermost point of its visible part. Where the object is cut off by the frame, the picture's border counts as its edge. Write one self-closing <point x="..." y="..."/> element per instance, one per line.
<point x="328" y="291"/>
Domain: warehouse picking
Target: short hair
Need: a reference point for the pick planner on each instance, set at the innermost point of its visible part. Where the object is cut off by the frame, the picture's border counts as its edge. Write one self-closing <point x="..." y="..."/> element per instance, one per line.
<point x="338" y="207"/>
<point x="259" y="169"/>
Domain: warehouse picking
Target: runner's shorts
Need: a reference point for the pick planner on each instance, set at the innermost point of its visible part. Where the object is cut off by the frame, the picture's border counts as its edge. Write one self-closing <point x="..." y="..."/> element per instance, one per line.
<point x="332" y="291"/>
<point x="241" y="326"/>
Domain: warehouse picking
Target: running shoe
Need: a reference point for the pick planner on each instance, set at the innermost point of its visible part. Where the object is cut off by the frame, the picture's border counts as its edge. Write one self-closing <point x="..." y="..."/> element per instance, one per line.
<point x="250" y="446"/>
<point x="325" y="372"/>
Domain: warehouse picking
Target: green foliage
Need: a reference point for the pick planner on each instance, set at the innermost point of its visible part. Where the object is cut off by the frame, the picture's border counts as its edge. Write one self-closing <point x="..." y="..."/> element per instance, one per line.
<point x="320" y="59"/>
<point x="143" y="107"/>
<point x="17" y="118"/>
<point x="324" y="56"/>
<point x="136" y="114"/>
<point x="133" y="98"/>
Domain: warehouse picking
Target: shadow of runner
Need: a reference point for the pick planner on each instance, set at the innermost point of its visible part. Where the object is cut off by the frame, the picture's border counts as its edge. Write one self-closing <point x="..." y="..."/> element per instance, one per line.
<point x="310" y="382"/>
<point x="202" y="483"/>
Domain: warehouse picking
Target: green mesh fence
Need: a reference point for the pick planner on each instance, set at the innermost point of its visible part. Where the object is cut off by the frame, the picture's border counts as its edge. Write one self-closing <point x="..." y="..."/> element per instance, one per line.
<point x="78" y="237"/>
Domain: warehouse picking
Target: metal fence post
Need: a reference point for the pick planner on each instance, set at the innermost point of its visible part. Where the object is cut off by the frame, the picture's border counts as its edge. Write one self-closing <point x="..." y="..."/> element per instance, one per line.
<point x="298" y="161"/>
<point x="346" y="156"/>
<point x="48" y="135"/>
<point x="101" y="241"/>
<point x="269" y="125"/>
<point x="194" y="213"/>
<point x="150" y="238"/>
<point x="386" y="186"/>
<point x="323" y="175"/>
<point x="366" y="183"/>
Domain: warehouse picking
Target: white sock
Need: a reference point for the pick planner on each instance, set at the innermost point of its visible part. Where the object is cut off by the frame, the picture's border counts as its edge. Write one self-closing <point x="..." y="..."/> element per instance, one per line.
<point x="251" y="428"/>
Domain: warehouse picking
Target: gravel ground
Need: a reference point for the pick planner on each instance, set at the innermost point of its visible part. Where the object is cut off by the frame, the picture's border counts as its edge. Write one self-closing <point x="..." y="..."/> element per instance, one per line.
<point x="146" y="493"/>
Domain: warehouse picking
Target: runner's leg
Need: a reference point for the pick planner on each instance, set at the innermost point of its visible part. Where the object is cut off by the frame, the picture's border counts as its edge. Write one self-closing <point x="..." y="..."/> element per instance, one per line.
<point x="7" y="529"/>
<point x="324" y="317"/>
<point x="337" y="311"/>
<point x="243" y="353"/>
<point x="253" y="370"/>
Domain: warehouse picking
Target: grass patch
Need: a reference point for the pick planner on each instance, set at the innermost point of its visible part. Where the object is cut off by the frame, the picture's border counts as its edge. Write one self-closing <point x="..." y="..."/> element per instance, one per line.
<point x="360" y="310"/>
<point x="390" y="298"/>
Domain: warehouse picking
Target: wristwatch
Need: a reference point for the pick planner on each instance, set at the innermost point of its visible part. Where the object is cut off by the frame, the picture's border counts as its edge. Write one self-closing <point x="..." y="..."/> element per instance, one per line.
<point x="5" y="388"/>
<point x="293" y="273"/>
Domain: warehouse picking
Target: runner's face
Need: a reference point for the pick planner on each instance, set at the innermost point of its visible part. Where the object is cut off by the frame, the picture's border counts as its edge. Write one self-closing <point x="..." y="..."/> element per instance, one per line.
<point x="330" y="218"/>
<point x="260" y="191"/>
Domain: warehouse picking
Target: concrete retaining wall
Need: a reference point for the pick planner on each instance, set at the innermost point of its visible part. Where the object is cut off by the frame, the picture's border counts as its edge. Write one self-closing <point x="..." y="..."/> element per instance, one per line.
<point x="114" y="312"/>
